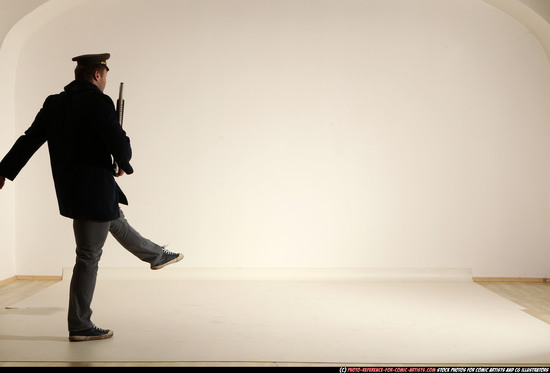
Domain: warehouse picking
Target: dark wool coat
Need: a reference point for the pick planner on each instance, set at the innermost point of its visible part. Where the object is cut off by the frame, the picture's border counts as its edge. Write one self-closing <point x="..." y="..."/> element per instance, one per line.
<point x="81" y="127"/>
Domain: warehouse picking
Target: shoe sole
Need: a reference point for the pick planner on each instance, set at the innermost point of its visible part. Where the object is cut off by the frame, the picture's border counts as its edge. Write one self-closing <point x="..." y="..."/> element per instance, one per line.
<point x="180" y="257"/>
<point x="83" y="338"/>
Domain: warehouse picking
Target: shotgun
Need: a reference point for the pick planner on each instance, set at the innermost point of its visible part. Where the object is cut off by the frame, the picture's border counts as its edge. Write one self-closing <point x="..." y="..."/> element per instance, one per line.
<point x="120" y="112"/>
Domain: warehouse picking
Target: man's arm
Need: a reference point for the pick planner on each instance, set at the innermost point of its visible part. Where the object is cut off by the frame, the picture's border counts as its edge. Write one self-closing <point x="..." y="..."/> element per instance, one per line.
<point x="2" y="181"/>
<point x="21" y="152"/>
<point x="25" y="147"/>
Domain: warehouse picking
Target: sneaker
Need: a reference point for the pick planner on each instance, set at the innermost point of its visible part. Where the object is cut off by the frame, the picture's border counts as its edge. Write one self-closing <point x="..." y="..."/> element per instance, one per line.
<point x="167" y="258"/>
<point x="90" y="334"/>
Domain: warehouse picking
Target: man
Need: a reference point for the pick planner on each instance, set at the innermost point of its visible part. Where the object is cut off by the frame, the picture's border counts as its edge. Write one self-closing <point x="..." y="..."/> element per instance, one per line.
<point x="84" y="136"/>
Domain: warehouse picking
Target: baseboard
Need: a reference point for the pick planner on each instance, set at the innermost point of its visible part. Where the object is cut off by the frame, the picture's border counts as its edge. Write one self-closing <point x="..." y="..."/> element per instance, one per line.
<point x="39" y="278"/>
<point x="7" y="281"/>
<point x="511" y="279"/>
<point x="26" y="277"/>
<point x="474" y="279"/>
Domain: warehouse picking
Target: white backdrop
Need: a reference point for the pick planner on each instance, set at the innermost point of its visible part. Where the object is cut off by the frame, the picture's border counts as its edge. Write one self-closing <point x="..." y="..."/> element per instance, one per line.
<point x="336" y="133"/>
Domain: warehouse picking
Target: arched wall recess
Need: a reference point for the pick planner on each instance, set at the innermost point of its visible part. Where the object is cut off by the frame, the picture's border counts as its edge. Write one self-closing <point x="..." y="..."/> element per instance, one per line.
<point x="260" y="123"/>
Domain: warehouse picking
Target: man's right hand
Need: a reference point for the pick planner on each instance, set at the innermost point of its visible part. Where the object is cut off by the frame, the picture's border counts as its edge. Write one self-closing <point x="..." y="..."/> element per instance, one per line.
<point x="2" y="181"/>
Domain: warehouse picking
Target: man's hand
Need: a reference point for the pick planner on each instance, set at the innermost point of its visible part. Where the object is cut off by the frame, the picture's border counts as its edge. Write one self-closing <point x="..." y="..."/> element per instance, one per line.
<point x="120" y="173"/>
<point x="2" y="181"/>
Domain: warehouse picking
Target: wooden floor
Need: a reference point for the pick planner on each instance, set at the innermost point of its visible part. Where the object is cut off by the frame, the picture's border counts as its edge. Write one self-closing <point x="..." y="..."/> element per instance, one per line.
<point x="17" y="290"/>
<point x="533" y="296"/>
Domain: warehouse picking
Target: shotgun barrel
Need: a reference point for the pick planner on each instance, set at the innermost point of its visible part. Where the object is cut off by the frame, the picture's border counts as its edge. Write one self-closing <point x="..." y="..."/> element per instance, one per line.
<point x="120" y="112"/>
<point x="120" y="104"/>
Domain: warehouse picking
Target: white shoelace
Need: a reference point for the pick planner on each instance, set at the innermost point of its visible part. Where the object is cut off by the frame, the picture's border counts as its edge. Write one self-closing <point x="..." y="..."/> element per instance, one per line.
<point x="166" y="251"/>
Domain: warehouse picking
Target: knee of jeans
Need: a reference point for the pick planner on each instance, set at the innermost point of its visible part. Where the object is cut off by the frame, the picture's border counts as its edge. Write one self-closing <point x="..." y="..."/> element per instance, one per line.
<point x="119" y="228"/>
<point x="115" y="228"/>
<point x="88" y="254"/>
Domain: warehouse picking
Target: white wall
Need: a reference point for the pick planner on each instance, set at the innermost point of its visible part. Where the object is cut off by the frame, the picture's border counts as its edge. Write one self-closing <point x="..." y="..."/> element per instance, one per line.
<point x="378" y="134"/>
<point x="11" y="11"/>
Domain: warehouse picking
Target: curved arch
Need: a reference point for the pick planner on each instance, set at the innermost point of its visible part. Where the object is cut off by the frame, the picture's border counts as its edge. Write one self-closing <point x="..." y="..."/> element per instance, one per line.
<point x="13" y="50"/>
<point x="12" y="11"/>
<point x="529" y="17"/>
<point x="26" y="26"/>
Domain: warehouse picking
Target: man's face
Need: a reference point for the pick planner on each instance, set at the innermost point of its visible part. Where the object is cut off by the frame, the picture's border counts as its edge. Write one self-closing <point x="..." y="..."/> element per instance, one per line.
<point x="102" y="80"/>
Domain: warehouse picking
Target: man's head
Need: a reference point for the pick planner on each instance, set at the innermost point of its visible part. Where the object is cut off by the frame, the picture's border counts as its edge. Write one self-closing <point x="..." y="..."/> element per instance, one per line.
<point x="93" y="68"/>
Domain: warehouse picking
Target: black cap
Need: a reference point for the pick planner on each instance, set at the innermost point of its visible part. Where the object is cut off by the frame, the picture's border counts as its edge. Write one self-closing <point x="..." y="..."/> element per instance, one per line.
<point x="93" y="59"/>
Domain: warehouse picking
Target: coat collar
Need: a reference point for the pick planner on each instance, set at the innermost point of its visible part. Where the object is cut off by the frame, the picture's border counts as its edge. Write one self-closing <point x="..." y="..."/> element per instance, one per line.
<point x="81" y="85"/>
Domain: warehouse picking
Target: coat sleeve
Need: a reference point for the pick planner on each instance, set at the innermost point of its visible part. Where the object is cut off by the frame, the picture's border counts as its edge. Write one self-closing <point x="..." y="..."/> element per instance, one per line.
<point x="25" y="146"/>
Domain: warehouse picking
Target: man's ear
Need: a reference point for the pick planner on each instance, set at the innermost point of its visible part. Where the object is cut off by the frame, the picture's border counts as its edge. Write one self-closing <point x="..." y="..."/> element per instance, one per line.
<point x="97" y="75"/>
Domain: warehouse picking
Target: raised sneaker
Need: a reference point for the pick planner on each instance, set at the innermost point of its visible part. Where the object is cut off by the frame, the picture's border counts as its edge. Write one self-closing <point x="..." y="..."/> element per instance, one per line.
<point x="167" y="258"/>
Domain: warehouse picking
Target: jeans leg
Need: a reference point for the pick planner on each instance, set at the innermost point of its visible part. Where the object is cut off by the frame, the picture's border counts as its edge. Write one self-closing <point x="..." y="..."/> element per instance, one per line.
<point x="131" y="240"/>
<point x="90" y="237"/>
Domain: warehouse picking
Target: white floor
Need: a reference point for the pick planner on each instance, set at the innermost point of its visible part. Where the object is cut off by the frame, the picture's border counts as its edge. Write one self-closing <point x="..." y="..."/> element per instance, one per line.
<point x="285" y="316"/>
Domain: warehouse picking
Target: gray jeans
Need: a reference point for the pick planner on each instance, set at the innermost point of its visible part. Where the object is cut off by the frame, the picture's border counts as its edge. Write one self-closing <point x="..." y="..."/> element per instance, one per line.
<point x="90" y="237"/>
